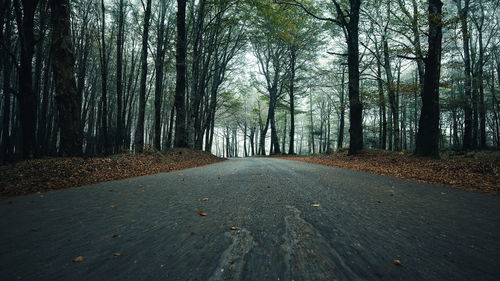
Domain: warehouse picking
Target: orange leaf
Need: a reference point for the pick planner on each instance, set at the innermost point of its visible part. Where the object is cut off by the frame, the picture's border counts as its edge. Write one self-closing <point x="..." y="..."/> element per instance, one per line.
<point x="78" y="259"/>
<point x="234" y="228"/>
<point x="117" y="254"/>
<point x="112" y="206"/>
<point x="398" y="263"/>
<point x="204" y="199"/>
<point x="201" y="213"/>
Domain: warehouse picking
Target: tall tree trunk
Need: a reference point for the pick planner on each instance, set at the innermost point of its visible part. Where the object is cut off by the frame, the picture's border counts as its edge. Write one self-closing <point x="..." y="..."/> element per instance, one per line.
<point x="355" y="105"/>
<point x="180" y="86"/>
<point x="291" y="93"/>
<point x="382" y="110"/>
<point x="462" y="14"/>
<point x="340" y="140"/>
<point x="64" y="76"/>
<point x="27" y="98"/>
<point x="5" y="155"/>
<point x="159" y="63"/>
<point x="104" y="83"/>
<point x="119" y="79"/>
<point x="139" y="129"/>
<point x="428" y="131"/>
<point x="392" y="96"/>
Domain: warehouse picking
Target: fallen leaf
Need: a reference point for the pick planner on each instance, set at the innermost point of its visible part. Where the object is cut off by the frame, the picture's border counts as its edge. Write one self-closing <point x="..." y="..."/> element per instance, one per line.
<point x="114" y="235"/>
<point x="234" y="228"/>
<point x="117" y="254"/>
<point x="315" y="205"/>
<point x="191" y="233"/>
<point x="204" y="199"/>
<point x="112" y="206"/>
<point x="443" y="193"/>
<point x="379" y="201"/>
<point x="398" y="263"/>
<point x="78" y="259"/>
<point x="201" y="213"/>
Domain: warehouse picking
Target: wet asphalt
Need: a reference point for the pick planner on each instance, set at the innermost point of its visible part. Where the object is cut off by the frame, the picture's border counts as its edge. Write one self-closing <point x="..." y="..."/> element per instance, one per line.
<point x="294" y="220"/>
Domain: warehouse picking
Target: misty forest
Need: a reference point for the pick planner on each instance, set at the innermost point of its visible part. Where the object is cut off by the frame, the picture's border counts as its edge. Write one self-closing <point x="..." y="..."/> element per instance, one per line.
<point x="253" y="77"/>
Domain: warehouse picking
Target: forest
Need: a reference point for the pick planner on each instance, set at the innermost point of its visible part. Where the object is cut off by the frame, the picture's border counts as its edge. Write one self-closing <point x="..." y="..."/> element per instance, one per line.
<point x="248" y="77"/>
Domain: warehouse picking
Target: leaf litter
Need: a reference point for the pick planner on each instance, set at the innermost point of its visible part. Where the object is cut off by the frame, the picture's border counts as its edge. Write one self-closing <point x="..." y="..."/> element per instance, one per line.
<point x="472" y="171"/>
<point x="42" y="175"/>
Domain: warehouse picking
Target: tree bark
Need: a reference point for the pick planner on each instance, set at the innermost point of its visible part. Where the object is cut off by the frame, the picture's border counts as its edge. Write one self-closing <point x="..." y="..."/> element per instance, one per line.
<point x="355" y="105"/>
<point x="428" y="131"/>
<point x="64" y="76"/>
<point x="180" y="86"/>
<point x="293" y="53"/>
<point x="104" y="85"/>
<point x="462" y="14"/>
<point x="27" y="98"/>
<point x="139" y="129"/>
<point x="119" y="79"/>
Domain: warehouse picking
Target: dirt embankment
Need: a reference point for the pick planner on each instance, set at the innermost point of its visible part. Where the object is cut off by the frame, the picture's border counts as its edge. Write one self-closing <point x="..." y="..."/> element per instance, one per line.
<point x="478" y="172"/>
<point x="42" y="175"/>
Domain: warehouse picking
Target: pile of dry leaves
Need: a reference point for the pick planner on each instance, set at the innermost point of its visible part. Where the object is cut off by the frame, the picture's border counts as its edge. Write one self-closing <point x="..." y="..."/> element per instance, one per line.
<point x="43" y="175"/>
<point x="473" y="171"/>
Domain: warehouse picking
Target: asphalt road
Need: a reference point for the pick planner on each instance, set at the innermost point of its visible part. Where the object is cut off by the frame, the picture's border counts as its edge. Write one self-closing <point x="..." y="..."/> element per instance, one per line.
<point x="149" y="228"/>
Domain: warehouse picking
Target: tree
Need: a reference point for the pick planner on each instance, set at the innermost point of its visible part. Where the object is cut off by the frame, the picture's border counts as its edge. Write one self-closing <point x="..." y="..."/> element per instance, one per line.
<point x="180" y="85"/>
<point x="427" y="143"/>
<point x="349" y="23"/>
<point x="139" y="129"/>
<point x="25" y="18"/>
<point x="119" y="77"/>
<point x="64" y="76"/>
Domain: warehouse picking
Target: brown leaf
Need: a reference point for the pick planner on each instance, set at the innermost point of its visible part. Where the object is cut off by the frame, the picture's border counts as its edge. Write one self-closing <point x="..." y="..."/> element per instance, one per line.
<point x="112" y="206"/>
<point x="234" y="228"/>
<point x="379" y="201"/>
<point x="398" y="263"/>
<point x="117" y="254"/>
<point x="114" y="235"/>
<point x="191" y="233"/>
<point x="201" y="213"/>
<point x="204" y="199"/>
<point x="315" y="205"/>
<point x="78" y="259"/>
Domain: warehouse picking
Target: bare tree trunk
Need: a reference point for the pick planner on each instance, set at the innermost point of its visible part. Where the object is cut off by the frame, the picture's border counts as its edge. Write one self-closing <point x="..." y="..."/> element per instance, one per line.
<point x="64" y="76"/>
<point x="293" y="53"/>
<point x="104" y="83"/>
<point x="428" y="131"/>
<point x="119" y="79"/>
<point x="180" y="86"/>
<point x="355" y="105"/>
<point x="340" y="140"/>
<point x="27" y="99"/>
<point x="139" y="129"/>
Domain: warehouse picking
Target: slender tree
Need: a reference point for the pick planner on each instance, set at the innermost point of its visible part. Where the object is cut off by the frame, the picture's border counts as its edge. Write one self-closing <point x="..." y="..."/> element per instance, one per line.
<point x="139" y="129"/>
<point x="180" y="86"/>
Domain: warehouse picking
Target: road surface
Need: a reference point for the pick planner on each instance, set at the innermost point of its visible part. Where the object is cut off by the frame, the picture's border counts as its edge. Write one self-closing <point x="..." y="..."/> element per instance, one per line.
<point x="297" y="221"/>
